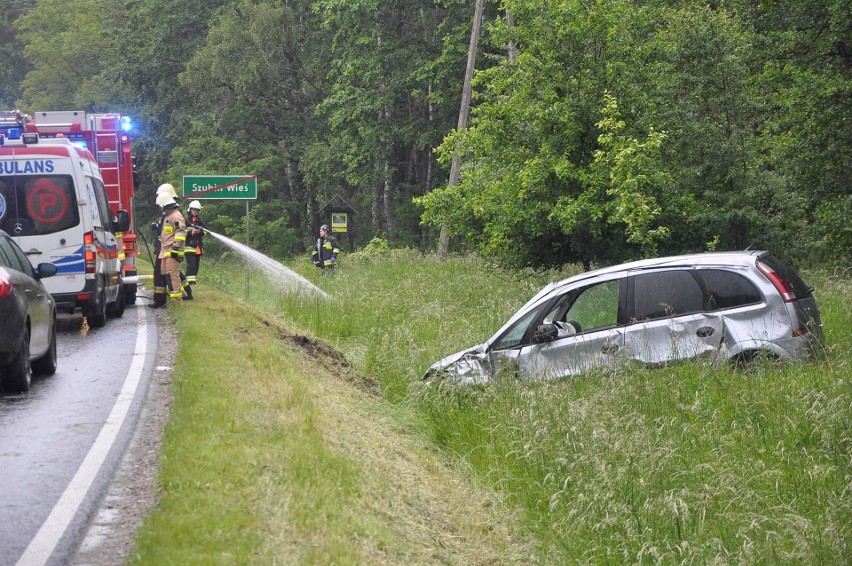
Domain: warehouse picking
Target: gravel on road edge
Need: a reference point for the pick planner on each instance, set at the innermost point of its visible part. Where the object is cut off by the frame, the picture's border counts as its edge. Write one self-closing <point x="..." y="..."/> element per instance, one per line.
<point x="133" y="493"/>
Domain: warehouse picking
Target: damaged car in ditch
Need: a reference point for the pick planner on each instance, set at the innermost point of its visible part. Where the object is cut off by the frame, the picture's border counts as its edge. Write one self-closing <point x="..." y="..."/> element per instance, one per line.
<point x="723" y="306"/>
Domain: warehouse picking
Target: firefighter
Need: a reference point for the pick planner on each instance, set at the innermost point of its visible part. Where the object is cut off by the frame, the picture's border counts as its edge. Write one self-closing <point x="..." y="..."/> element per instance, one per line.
<point x="195" y="232"/>
<point x="157" y="226"/>
<point x="325" y="253"/>
<point x="172" y="243"/>
<point x="160" y="280"/>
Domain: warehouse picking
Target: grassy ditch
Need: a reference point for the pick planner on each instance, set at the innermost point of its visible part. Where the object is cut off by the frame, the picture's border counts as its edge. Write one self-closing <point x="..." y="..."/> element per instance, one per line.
<point x="279" y="452"/>
<point x="690" y="464"/>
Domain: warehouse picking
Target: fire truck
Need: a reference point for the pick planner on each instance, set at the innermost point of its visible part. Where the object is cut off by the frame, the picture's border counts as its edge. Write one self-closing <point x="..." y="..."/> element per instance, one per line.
<point x="108" y="138"/>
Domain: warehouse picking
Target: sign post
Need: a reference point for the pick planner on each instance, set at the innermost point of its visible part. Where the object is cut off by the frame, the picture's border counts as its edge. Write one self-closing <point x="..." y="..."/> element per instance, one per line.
<point x="232" y="187"/>
<point x="203" y="187"/>
<point x="211" y="187"/>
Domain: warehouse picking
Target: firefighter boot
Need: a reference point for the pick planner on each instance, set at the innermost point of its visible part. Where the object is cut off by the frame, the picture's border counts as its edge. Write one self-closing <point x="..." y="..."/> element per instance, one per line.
<point x="159" y="298"/>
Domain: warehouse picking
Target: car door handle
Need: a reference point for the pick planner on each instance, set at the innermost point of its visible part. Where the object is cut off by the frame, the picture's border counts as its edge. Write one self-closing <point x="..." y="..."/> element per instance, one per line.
<point x="33" y="252"/>
<point x="609" y="349"/>
<point x="704" y="331"/>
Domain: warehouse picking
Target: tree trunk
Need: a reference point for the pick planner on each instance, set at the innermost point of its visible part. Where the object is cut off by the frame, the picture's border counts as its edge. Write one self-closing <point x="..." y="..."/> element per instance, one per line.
<point x="387" y="201"/>
<point x="444" y="239"/>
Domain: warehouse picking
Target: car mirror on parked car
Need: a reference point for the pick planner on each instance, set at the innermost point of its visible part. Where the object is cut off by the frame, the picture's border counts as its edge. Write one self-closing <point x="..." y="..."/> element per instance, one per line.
<point x="46" y="270"/>
<point x="546" y="333"/>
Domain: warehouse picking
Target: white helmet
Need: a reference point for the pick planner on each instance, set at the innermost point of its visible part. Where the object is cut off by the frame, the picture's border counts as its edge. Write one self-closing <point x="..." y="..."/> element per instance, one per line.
<point x="164" y="200"/>
<point x="166" y="189"/>
<point x="195" y="204"/>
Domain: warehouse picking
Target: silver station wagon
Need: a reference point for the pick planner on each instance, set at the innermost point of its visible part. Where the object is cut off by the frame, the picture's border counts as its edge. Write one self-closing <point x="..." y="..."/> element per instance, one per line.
<point x="725" y="306"/>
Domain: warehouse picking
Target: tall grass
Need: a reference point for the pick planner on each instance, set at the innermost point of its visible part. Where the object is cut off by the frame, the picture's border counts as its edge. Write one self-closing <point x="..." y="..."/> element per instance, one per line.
<point x="680" y="464"/>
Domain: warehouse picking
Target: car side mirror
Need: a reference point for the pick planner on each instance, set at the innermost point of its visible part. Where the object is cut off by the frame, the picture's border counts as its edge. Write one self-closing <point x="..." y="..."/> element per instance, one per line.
<point x="122" y="223"/>
<point x="45" y="270"/>
<point x="545" y="333"/>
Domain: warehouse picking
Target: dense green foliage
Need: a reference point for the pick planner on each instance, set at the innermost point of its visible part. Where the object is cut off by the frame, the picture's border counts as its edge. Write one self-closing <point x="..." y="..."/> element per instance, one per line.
<point x="620" y="128"/>
<point x="682" y="464"/>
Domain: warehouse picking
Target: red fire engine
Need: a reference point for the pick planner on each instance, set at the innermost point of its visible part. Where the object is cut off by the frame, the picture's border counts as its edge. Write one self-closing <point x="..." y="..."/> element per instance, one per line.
<point x="107" y="137"/>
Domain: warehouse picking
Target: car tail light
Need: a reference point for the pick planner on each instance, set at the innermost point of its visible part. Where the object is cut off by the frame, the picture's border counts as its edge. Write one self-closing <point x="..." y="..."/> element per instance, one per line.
<point x="782" y="285"/>
<point x="89" y="251"/>
<point x="5" y="286"/>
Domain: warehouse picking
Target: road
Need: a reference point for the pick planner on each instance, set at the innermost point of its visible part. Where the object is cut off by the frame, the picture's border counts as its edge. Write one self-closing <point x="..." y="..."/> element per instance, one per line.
<point x="61" y="443"/>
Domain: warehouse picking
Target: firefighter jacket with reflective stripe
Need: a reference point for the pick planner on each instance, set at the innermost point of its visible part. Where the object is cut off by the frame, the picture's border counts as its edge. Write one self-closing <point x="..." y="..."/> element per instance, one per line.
<point x="193" y="234"/>
<point x="326" y="249"/>
<point x="173" y="234"/>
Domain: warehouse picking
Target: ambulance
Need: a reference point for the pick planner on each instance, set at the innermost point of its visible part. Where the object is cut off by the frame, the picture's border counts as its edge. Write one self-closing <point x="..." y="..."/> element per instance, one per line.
<point x="54" y="204"/>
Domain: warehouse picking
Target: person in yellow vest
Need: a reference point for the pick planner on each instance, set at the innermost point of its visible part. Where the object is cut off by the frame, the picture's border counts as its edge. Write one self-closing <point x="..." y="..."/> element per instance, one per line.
<point x="195" y="228"/>
<point x="172" y="243"/>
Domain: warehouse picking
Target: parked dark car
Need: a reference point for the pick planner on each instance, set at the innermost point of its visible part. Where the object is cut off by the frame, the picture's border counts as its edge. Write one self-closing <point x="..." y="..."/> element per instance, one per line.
<point x="27" y="319"/>
<point x="726" y="306"/>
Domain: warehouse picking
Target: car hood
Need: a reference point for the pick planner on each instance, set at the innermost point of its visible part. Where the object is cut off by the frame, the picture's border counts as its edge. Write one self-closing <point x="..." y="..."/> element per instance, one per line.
<point x="467" y="367"/>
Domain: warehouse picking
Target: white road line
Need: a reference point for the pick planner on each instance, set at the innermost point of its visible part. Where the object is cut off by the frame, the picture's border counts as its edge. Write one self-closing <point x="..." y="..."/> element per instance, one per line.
<point x="51" y="532"/>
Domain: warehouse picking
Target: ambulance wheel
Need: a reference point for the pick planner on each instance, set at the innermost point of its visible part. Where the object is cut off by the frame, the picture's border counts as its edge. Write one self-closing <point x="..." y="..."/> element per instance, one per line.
<point x="18" y="375"/>
<point x="116" y="309"/>
<point x="130" y="294"/>
<point x="97" y="313"/>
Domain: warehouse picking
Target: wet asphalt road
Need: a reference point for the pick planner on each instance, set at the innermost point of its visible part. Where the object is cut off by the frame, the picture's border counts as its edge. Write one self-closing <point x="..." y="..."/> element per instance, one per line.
<point x="61" y="442"/>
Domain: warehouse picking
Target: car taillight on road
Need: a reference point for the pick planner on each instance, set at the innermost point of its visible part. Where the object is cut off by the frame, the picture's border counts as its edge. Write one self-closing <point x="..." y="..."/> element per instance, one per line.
<point x="89" y="251"/>
<point x="5" y="286"/>
<point x="782" y="285"/>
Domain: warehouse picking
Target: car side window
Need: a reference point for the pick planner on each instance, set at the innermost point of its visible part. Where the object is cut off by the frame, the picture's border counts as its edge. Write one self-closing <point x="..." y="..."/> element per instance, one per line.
<point x="665" y="294"/>
<point x="4" y="253"/>
<point x="726" y="289"/>
<point x="16" y="258"/>
<point x="595" y="307"/>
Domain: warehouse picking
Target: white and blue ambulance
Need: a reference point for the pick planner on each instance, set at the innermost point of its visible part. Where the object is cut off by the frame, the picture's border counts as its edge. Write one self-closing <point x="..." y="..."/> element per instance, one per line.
<point x="54" y="204"/>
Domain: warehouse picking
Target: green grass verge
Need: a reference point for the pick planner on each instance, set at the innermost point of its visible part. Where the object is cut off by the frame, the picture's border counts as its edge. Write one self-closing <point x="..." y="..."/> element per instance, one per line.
<point x="685" y="464"/>
<point x="277" y="452"/>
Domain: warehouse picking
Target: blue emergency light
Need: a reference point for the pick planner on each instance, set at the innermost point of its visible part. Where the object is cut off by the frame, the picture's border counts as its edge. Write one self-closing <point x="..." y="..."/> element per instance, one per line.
<point x="126" y="124"/>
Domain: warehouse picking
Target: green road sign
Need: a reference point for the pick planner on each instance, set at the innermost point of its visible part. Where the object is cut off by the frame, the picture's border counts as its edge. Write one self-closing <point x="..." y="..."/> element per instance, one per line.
<point x="219" y="187"/>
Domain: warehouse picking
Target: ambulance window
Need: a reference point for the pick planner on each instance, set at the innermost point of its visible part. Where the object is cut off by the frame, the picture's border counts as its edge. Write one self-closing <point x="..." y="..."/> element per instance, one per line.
<point x="103" y="205"/>
<point x="38" y="204"/>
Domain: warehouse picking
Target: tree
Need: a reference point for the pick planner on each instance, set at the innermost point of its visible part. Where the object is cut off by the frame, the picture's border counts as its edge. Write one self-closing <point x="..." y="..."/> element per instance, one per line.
<point x="444" y="240"/>
<point x="13" y="66"/>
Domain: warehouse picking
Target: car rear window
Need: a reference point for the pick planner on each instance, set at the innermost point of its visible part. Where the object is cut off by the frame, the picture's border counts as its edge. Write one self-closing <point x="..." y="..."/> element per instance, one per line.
<point x="35" y="205"/>
<point x="786" y="272"/>
<point x="726" y="289"/>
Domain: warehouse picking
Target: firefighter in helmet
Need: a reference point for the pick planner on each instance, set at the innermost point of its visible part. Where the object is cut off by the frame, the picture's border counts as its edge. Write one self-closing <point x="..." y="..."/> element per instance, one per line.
<point x="195" y="228"/>
<point x="160" y="281"/>
<point x="172" y="243"/>
<point x="325" y="253"/>
<point x="157" y="226"/>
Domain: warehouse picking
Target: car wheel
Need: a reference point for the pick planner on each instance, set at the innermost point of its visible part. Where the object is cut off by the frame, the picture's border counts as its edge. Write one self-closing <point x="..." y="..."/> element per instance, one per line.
<point x="19" y="373"/>
<point x="98" y="315"/>
<point x="46" y="365"/>
<point x="116" y="309"/>
<point x="754" y="360"/>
